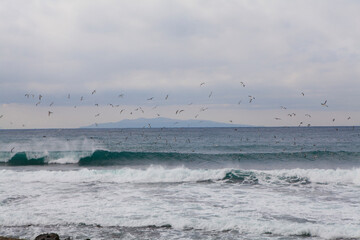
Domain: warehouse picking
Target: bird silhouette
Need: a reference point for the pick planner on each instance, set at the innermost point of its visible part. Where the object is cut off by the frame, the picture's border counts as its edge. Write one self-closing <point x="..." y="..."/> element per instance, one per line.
<point x="324" y="104"/>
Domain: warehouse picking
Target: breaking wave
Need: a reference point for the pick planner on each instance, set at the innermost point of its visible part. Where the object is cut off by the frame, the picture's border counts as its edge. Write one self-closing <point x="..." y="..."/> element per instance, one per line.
<point x="159" y="174"/>
<point x="126" y="158"/>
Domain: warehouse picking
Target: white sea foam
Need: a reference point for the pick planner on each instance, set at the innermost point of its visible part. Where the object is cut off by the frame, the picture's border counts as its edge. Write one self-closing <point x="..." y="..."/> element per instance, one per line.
<point x="155" y="174"/>
<point x="152" y="174"/>
<point x="119" y="197"/>
<point x="64" y="160"/>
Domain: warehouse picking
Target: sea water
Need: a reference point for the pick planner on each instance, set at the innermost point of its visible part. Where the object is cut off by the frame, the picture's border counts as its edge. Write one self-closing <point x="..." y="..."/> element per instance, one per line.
<point x="181" y="183"/>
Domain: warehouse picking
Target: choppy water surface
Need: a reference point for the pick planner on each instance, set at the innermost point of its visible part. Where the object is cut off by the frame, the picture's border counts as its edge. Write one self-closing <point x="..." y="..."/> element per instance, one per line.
<point x="209" y="183"/>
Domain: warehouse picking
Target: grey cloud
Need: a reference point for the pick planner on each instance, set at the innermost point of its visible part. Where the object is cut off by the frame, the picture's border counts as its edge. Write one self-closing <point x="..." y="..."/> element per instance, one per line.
<point x="274" y="45"/>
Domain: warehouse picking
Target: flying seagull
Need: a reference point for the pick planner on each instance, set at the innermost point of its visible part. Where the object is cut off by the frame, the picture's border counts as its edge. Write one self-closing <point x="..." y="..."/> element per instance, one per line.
<point x="324" y="104"/>
<point x="93" y="92"/>
<point x="202" y="84"/>
<point x="251" y="98"/>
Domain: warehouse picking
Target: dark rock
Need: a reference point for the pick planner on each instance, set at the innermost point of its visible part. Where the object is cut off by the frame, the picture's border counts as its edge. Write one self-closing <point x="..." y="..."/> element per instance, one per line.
<point x="166" y="226"/>
<point x="9" y="238"/>
<point x="48" y="236"/>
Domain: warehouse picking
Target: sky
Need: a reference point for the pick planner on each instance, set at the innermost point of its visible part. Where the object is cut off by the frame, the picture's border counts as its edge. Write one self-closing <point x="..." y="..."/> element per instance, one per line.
<point x="261" y="63"/>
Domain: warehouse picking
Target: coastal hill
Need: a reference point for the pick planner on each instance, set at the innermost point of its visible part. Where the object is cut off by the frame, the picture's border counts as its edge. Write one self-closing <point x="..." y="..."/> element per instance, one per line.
<point x="162" y="123"/>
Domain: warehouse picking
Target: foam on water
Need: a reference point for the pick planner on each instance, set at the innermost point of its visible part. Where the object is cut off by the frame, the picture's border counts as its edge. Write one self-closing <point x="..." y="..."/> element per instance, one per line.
<point x="252" y="183"/>
<point x="158" y="196"/>
<point x="158" y="174"/>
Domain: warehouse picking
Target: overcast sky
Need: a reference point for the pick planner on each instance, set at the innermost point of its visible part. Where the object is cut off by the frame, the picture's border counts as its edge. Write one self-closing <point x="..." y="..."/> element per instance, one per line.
<point x="153" y="49"/>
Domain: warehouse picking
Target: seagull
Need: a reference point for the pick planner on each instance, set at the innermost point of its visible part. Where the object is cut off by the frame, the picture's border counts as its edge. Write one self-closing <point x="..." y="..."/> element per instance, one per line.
<point x="202" y="84"/>
<point x="82" y="98"/>
<point x="333" y="120"/>
<point x="307" y="115"/>
<point x="324" y="104"/>
<point x="12" y="149"/>
<point x="210" y="94"/>
<point x="97" y="115"/>
<point x="251" y="98"/>
<point x="96" y="104"/>
<point x="277" y="118"/>
<point x="49" y="113"/>
<point x="166" y="96"/>
<point x="37" y="103"/>
<point x="282" y="107"/>
<point x="242" y="83"/>
<point x="239" y="102"/>
<point x="40" y="96"/>
<point x="149" y="99"/>
<point x="348" y="118"/>
<point x="121" y="95"/>
<point x="93" y="92"/>
<point x="52" y="103"/>
<point x="122" y="110"/>
<point x="303" y="94"/>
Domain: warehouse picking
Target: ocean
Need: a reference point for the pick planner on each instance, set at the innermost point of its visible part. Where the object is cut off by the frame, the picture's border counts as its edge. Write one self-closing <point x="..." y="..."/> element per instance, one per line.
<point x="181" y="183"/>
